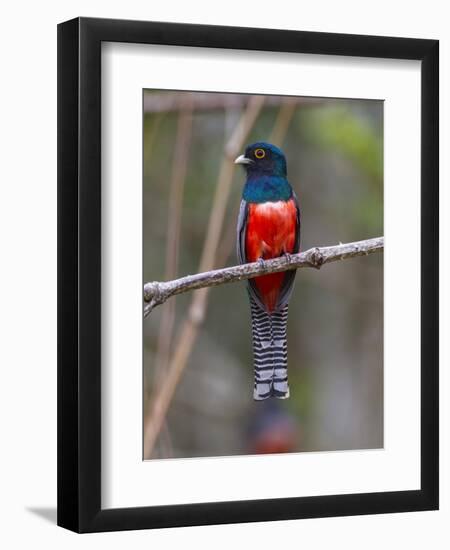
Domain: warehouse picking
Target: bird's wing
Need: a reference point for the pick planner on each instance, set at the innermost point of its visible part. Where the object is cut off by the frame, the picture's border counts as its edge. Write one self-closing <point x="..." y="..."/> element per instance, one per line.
<point x="241" y="228"/>
<point x="241" y="234"/>
<point x="288" y="282"/>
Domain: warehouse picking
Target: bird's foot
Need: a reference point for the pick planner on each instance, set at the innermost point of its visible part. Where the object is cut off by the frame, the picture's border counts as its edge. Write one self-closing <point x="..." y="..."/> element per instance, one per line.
<point x="288" y="257"/>
<point x="262" y="262"/>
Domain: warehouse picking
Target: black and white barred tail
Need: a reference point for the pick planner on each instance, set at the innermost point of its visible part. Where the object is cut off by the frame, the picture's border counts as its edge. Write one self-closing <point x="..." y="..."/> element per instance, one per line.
<point x="270" y="352"/>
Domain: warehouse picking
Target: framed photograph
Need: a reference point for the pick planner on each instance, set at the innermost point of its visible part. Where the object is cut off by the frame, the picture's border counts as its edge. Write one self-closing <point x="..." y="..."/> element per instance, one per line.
<point x="247" y="275"/>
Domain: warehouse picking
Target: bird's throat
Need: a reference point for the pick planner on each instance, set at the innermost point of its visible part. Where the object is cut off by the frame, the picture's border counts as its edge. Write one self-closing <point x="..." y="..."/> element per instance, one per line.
<point x="266" y="188"/>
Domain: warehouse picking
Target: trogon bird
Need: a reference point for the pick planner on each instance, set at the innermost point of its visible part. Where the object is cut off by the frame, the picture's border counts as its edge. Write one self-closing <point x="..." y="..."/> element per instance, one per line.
<point x="268" y="227"/>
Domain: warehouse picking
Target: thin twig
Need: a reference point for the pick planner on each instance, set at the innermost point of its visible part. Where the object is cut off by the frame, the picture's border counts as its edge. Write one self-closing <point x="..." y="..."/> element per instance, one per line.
<point x="197" y="308"/>
<point x="207" y="101"/>
<point x="157" y="293"/>
<point x="179" y="164"/>
<point x="283" y="120"/>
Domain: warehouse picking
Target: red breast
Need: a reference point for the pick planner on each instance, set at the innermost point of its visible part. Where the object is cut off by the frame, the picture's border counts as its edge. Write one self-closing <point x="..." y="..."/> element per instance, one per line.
<point x="271" y="229"/>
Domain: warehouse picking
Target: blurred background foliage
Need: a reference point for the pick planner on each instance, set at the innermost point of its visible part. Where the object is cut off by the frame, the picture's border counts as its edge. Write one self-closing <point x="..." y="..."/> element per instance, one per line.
<point x="334" y="149"/>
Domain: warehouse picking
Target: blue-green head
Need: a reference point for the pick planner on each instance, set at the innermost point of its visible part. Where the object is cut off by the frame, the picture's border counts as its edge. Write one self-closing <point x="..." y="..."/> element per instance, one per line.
<point x="265" y="165"/>
<point x="263" y="158"/>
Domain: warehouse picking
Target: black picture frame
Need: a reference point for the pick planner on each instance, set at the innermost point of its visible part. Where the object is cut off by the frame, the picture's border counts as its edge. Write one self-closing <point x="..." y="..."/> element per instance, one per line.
<point x="79" y="274"/>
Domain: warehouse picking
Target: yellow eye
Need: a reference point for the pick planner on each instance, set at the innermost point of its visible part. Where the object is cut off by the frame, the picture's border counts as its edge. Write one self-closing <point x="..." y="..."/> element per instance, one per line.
<point x="260" y="153"/>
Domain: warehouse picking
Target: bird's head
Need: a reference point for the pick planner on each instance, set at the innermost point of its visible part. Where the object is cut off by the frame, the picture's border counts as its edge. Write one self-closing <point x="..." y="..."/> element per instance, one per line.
<point x="263" y="158"/>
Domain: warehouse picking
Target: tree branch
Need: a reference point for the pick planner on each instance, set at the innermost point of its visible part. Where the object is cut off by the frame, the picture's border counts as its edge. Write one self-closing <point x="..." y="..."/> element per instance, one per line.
<point x="156" y="293"/>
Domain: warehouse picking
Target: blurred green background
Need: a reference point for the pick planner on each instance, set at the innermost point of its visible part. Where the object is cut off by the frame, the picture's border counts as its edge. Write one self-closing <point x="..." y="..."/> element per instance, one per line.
<point x="334" y="150"/>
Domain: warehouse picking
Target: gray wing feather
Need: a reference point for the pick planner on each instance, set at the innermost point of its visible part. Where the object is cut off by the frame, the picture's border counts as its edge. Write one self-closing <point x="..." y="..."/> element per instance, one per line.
<point x="288" y="283"/>
<point x="241" y="226"/>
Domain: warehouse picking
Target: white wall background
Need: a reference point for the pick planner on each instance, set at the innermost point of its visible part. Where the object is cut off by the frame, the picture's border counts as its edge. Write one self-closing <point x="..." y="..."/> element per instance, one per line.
<point x="28" y="274"/>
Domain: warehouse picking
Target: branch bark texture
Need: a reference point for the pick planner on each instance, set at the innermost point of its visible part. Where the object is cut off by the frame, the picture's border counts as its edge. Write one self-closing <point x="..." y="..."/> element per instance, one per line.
<point x="156" y="293"/>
